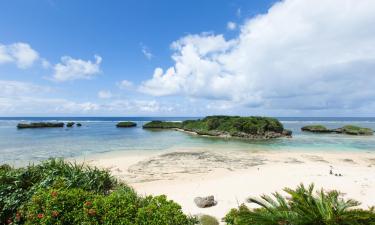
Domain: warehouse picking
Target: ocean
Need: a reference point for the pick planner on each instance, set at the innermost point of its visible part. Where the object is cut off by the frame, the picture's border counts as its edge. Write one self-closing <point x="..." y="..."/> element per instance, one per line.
<point x="100" y="135"/>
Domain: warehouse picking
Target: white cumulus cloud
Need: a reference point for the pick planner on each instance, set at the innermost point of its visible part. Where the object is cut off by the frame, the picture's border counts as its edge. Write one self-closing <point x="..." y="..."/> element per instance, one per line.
<point x="104" y="94"/>
<point x="19" y="53"/>
<point x="231" y="25"/>
<point x="74" y="69"/>
<point x="125" y="84"/>
<point x="300" y="55"/>
<point x="146" y="52"/>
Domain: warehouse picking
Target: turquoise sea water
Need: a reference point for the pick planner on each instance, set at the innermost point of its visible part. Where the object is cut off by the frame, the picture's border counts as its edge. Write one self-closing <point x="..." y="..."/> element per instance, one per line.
<point x="98" y="135"/>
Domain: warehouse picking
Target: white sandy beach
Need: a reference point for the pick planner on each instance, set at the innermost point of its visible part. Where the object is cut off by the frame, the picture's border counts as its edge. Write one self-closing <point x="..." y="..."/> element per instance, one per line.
<point x="233" y="176"/>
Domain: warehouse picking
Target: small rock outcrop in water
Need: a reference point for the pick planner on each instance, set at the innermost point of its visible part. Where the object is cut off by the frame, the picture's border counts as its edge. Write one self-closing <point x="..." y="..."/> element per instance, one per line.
<point x="78" y="124"/>
<point x="70" y="124"/>
<point x="287" y="133"/>
<point x="253" y="127"/>
<point x="354" y="130"/>
<point x="204" y="202"/>
<point x="126" y="124"/>
<point x="316" y="129"/>
<point x="349" y="129"/>
<point x="39" y="125"/>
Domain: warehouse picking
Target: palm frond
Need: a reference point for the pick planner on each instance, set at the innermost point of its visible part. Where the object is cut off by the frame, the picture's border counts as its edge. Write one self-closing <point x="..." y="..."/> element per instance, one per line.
<point x="304" y="206"/>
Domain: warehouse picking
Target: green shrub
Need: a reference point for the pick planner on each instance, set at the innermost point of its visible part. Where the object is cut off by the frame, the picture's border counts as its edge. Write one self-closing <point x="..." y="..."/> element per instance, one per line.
<point x="56" y="192"/>
<point x="208" y="220"/>
<point x="120" y="207"/>
<point x="123" y="206"/>
<point x="59" y="206"/>
<point x="17" y="186"/>
<point x="76" y="206"/>
<point x="238" y="216"/>
<point x="302" y="207"/>
<point x="249" y="127"/>
<point x="213" y="124"/>
<point x="158" y="210"/>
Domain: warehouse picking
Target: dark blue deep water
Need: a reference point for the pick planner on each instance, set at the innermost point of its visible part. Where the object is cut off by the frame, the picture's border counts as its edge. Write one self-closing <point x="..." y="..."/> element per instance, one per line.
<point x="99" y="134"/>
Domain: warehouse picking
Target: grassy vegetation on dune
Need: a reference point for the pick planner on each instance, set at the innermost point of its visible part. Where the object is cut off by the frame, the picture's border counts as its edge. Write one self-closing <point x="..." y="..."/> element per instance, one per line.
<point x="302" y="207"/>
<point x="56" y="192"/>
<point x="225" y="125"/>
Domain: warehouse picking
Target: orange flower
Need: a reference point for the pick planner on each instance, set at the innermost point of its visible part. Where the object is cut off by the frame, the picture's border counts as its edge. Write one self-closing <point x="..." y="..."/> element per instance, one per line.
<point x="18" y="216"/>
<point x="54" y="193"/>
<point x="55" y="213"/>
<point x="88" y="204"/>
<point x="40" y="215"/>
<point x="92" y="212"/>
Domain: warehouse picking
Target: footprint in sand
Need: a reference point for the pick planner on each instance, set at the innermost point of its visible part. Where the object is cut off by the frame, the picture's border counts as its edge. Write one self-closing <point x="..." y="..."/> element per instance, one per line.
<point x="351" y="161"/>
<point x="315" y="158"/>
<point x="293" y="160"/>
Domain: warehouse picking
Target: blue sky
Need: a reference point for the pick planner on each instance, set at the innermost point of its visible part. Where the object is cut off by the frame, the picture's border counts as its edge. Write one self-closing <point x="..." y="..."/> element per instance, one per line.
<point x="171" y="58"/>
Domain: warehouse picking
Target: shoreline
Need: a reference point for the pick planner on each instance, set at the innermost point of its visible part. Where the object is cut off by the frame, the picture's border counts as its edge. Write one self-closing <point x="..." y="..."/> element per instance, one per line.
<point x="232" y="176"/>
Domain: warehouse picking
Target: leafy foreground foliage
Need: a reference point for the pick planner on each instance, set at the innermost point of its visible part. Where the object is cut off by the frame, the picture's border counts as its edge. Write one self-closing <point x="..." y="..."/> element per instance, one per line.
<point x="120" y="207"/>
<point x="56" y="192"/>
<point x="17" y="186"/>
<point x="302" y="207"/>
<point x="226" y="125"/>
<point x="208" y="220"/>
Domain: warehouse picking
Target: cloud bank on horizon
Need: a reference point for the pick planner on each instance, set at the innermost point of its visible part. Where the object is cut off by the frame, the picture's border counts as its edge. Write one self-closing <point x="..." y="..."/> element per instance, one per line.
<point x="301" y="56"/>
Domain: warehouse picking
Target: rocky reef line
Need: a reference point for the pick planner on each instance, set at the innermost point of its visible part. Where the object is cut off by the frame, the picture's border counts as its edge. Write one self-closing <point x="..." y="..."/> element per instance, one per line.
<point x="46" y="125"/>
